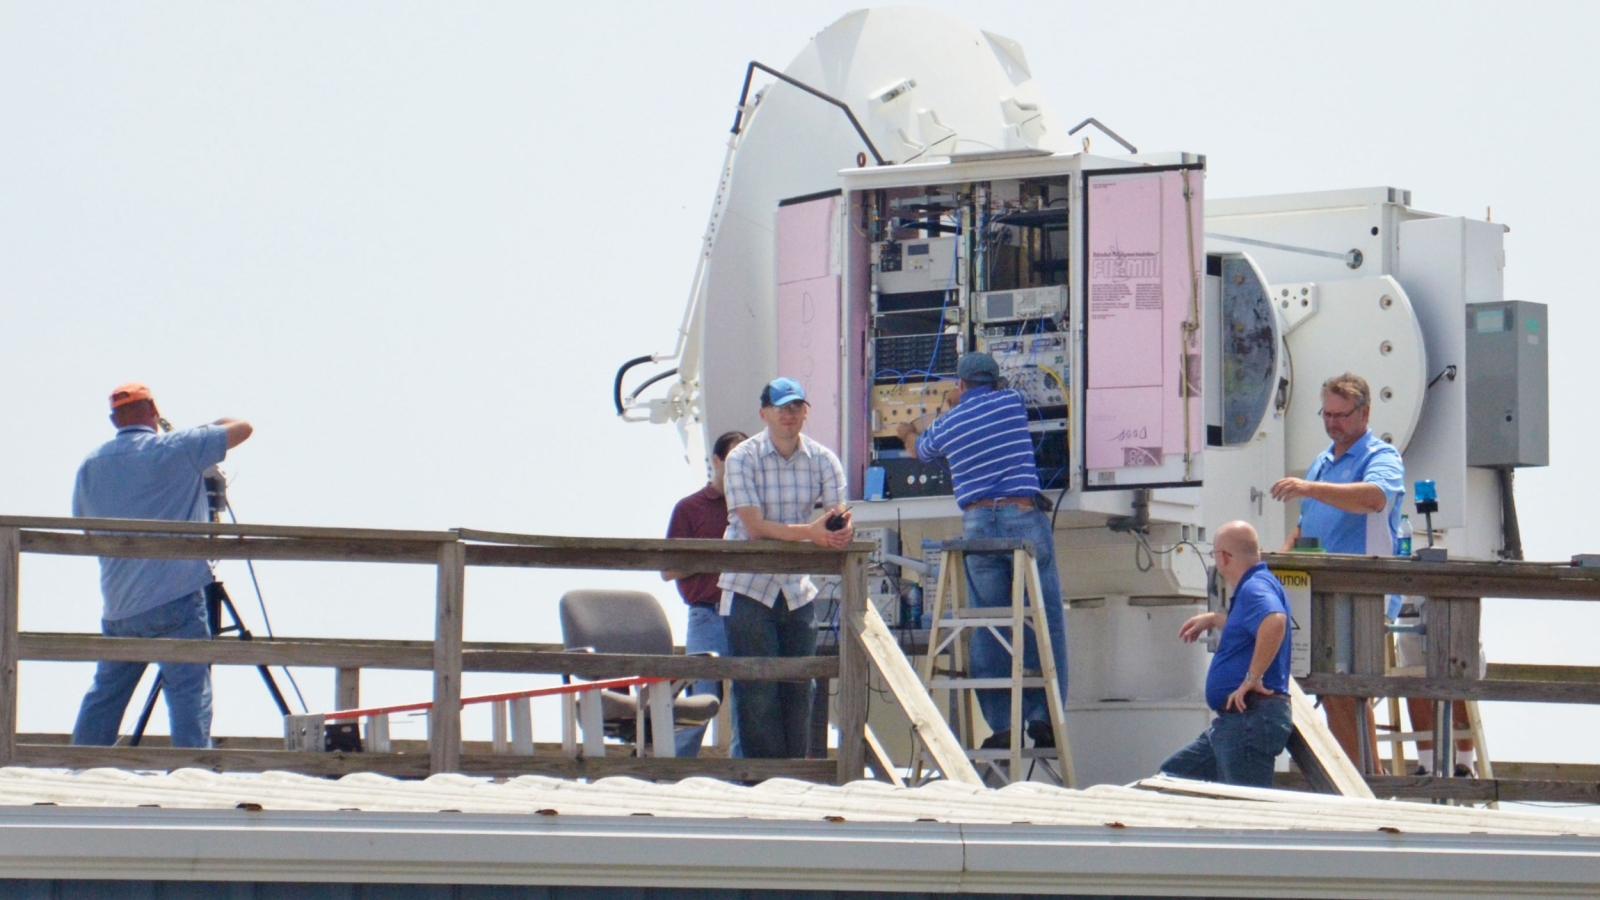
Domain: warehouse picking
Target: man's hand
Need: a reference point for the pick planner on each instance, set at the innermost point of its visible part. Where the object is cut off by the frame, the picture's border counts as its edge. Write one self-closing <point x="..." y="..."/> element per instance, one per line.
<point x="1198" y="625"/>
<point x="1250" y="686"/>
<point x="237" y="431"/>
<point x="907" y="432"/>
<point x="1286" y="489"/>
<point x="833" y="540"/>
<point x="1353" y="497"/>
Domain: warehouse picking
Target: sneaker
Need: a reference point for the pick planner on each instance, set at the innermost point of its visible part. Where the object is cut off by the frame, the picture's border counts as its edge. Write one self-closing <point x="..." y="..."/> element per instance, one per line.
<point x="1041" y="732"/>
<point x="1464" y="771"/>
<point x="1000" y="740"/>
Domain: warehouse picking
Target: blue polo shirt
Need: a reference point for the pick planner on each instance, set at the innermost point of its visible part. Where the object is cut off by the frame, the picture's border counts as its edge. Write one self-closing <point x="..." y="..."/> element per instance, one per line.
<point x="987" y="442"/>
<point x="1258" y="595"/>
<point x="1373" y="534"/>
<point x="140" y="474"/>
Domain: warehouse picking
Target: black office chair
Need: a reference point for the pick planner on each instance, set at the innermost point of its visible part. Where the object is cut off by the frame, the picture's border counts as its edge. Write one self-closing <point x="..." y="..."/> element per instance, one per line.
<point x="627" y="622"/>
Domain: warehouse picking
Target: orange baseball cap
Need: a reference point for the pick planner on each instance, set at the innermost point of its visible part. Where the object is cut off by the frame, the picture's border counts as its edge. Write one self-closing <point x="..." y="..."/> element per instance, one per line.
<point x="131" y="392"/>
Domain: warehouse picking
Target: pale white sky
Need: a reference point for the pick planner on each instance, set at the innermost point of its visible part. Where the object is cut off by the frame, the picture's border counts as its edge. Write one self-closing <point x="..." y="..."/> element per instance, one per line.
<point x="412" y="243"/>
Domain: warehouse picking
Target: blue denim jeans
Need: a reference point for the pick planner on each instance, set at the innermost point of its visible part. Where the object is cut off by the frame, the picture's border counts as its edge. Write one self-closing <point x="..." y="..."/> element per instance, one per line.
<point x="772" y="718"/>
<point x="186" y="686"/>
<point x="989" y="584"/>
<point x="705" y="634"/>
<point x="1238" y="747"/>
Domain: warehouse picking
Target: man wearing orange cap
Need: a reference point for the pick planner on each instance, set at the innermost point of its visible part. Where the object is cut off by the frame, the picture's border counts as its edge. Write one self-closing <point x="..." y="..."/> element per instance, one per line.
<point x="145" y="474"/>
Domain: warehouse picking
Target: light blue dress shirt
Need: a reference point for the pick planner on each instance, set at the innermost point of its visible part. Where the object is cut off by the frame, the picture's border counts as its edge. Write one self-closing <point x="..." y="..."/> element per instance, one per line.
<point x="1370" y="534"/>
<point x="140" y="474"/>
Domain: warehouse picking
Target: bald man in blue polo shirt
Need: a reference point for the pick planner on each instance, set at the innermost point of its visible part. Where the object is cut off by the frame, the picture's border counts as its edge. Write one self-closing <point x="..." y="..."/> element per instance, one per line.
<point x="1248" y="682"/>
<point x="1350" y="502"/>
<point x="145" y="474"/>
<point x="996" y="481"/>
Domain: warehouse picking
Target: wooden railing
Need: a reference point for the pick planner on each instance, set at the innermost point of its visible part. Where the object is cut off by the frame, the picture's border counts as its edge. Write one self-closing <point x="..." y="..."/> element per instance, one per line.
<point x="1351" y="659"/>
<point x="447" y="655"/>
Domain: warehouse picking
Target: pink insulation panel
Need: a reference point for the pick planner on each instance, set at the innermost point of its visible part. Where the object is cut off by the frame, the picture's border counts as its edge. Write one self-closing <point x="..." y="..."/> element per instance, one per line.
<point x="808" y="313"/>
<point x="805" y="240"/>
<point x="808" y="350"/>
<point x="1143" y="259"/>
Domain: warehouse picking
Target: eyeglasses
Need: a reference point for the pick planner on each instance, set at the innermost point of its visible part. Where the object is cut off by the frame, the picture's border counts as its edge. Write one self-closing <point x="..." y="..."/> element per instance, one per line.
<point x="1215" y="551"/>
<point x="1336" y="416"/>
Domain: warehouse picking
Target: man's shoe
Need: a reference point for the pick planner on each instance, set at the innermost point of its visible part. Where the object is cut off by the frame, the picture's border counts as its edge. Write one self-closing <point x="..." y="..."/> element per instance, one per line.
<point x="1000" y="740"/>
<point x="1463" y="771"/>
<point x="1043" y="735"/>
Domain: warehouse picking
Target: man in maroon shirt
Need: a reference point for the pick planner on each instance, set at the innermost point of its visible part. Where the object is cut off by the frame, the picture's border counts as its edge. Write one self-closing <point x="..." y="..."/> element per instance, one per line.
<point x="704" y="514"/>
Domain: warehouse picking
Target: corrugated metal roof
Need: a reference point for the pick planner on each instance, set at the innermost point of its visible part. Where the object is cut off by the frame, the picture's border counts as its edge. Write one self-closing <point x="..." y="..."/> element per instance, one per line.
<point x="784" y="835"/>
<point x="1157" y="803"/>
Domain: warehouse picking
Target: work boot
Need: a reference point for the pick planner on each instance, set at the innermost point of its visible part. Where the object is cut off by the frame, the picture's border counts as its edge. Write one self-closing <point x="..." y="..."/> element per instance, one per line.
<point x="1043" y="735"/>
<point x="1000" y="740"/>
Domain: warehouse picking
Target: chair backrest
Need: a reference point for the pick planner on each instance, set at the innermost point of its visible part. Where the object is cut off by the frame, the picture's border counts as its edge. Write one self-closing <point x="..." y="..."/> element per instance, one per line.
<point x="615" y="622"/>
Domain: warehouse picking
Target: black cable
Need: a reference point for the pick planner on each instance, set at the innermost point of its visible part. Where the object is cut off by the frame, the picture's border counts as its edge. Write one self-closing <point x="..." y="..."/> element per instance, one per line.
<point x="616" y="386"/>
<point x="262" y="603"/>
<point x="1151" y="552"/>
<point x="744" y="95"/>
<point x="653" y="379"/>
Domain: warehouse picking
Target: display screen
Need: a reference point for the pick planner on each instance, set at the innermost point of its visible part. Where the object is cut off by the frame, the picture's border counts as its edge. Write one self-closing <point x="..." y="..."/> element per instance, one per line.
<point x="916" y="249"/>
<point x="1491" y="320"/>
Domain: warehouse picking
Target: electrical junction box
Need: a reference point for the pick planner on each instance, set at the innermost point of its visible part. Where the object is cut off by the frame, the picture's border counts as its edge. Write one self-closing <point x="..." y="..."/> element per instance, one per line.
<point x="1508" y="384"/>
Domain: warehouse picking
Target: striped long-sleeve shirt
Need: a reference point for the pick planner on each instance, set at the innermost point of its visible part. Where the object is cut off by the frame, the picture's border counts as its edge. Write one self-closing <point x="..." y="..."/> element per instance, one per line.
<point x="986" y="440"/>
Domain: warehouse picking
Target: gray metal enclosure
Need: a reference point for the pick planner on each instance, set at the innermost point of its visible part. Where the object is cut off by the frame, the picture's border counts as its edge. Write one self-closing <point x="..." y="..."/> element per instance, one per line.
<point x="1508" y="384"/>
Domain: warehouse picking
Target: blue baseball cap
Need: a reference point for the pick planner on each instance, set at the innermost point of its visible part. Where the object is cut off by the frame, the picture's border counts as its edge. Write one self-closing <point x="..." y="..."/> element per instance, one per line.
<point x="782" y="392"/>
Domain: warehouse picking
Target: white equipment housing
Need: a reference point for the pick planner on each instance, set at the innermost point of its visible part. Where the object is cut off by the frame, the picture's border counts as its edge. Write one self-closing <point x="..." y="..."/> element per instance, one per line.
<point x="1167" y="343"/>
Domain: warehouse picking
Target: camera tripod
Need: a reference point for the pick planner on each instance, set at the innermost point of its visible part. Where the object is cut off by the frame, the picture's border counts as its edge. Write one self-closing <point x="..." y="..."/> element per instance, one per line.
<point x="217" y="600"/>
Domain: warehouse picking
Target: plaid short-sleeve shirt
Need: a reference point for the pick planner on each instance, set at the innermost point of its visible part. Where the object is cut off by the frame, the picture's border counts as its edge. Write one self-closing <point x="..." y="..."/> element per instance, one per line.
<point x="788" y="491"/>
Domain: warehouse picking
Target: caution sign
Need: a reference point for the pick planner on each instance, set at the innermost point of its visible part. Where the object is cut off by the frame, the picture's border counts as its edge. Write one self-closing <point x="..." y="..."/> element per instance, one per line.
<point x="1298" y="586"/>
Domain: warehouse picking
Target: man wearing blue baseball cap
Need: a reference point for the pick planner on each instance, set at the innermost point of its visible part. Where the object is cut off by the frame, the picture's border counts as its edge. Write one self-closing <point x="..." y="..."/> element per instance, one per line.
<point x="775" y="482"/>
<point x="996" y="480"/>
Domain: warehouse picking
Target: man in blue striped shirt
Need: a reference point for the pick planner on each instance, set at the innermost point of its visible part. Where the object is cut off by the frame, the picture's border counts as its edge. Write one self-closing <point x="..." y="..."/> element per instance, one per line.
<point x="986" y="440"/>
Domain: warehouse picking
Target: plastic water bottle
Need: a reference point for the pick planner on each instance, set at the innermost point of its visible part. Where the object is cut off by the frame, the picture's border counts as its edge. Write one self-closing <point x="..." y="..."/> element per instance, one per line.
<point x="1405" y="535"/>
<point x="913" y="607"/>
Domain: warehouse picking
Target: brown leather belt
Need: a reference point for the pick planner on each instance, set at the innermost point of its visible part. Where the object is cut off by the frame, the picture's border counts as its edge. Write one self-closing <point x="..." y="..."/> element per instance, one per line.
<point x="992" y="502"/>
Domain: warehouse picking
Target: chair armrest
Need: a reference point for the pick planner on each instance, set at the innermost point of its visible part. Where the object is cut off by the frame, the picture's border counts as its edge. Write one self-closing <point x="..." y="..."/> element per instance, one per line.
<point x="683" y="684"/>
<point x="566" y="678"/>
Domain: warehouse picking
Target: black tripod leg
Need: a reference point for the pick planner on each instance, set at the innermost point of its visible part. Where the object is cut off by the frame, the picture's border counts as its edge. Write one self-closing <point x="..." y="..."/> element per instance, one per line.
<point x="272" y="685"/>
<point x="217" y="600"/>
<point x="144" y="714"/>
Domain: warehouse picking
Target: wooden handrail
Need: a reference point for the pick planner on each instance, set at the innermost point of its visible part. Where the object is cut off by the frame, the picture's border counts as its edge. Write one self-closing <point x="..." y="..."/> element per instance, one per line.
<point x="447" y="655"/>
<point x="546" y="659"/>
<point x="1344" y="573"/>
<point x="161" y="526"/>
<point x="631" y="554"/>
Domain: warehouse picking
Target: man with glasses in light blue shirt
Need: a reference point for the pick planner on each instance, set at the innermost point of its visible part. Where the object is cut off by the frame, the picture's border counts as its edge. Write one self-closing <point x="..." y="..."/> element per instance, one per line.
<point x="145" y="474"/>
<point x="1350" y="502"/>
